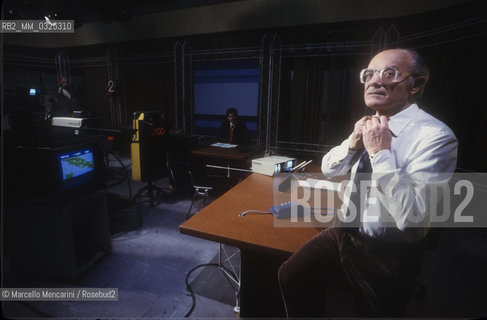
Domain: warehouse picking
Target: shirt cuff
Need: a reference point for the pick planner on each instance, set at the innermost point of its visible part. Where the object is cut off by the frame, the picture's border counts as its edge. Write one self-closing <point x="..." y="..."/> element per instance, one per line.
<point x="346" y="152"/>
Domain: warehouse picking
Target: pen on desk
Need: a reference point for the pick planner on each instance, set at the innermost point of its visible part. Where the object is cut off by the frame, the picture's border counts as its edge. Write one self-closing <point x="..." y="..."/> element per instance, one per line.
<point x="298" y="166"/>
<point x="304" y="165"/>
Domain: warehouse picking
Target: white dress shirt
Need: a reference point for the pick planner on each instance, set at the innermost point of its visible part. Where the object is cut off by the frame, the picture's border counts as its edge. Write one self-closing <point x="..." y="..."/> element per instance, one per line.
<point x="397" y="208"/>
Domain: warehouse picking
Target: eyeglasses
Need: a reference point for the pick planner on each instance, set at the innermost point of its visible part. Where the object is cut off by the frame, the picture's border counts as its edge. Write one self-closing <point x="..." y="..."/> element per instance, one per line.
<point x="386" y="75"/>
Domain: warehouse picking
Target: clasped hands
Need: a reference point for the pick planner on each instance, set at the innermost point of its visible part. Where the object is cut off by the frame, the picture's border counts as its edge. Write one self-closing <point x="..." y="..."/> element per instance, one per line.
<point x="371" y="133"/>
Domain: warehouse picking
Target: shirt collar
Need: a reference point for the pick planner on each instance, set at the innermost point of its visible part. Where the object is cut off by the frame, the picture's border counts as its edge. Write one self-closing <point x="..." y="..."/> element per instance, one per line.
<point x="400" y="120"/>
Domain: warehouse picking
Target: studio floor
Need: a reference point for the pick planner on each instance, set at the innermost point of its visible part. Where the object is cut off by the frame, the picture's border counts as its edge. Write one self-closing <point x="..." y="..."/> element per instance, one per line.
<point x="150" y="260"/>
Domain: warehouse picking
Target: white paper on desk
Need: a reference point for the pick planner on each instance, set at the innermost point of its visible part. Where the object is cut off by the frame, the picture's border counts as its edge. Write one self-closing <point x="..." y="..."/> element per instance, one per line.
<point x="224" y="145"/>
<point x="321" y="184"/>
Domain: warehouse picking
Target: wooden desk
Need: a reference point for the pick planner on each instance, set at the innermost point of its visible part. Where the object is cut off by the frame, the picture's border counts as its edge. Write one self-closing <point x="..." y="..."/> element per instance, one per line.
<point x="263" y="246"/>
<point x="220" y="221"/>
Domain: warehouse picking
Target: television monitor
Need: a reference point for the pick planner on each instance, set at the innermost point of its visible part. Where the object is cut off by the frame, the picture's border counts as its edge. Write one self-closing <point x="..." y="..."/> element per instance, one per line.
<point x="76" y="167"/>
<point x="52" y="175"/>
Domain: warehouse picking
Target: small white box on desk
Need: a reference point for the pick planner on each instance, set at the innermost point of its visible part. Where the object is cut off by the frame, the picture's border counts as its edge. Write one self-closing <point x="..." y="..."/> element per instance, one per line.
<point x="68" y="122"/>
<point x="273" y="165"/>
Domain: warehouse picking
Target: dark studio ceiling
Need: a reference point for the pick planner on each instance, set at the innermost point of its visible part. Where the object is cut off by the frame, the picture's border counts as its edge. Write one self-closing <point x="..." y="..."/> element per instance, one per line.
<point x="93" y="10"/>
<point x="116" y="21"/>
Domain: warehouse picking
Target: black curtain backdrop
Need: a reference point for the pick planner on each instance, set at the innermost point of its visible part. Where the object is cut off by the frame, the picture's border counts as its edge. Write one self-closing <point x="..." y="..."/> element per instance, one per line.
<point x="457" y="95"/>
<point x="320" y="98"/>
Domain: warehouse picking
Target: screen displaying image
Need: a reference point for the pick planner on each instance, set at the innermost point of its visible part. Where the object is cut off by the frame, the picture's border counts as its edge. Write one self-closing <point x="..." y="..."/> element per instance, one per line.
<point x="76" y="163"/>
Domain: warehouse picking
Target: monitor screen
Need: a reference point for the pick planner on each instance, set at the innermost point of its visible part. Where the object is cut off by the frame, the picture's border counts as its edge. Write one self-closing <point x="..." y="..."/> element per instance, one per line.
<point x="76" y="166"/>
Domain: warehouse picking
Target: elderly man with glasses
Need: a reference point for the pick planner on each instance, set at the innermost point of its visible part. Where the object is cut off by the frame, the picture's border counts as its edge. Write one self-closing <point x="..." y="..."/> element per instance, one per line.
<point x="375" y="249"/>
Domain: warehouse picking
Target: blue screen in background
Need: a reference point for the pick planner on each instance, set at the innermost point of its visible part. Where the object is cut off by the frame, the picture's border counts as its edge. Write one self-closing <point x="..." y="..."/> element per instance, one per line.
<point x="224" y="84"/>
<point x="76" y="163"/>
<point x="219" y="85"/>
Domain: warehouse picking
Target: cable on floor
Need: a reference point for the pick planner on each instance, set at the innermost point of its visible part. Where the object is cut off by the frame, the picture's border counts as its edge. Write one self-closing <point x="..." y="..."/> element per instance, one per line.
<point x="243" y="214"/>
<point x="188" y="286"/>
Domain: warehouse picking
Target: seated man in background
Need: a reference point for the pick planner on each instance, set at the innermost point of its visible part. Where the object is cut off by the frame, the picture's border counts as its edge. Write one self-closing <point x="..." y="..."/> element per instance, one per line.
<point x="405" y="151"/>
<point x="233" y="130"/>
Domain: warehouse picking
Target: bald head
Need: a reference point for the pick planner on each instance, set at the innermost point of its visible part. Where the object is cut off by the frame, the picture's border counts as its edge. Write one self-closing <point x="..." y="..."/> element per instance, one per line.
<point x="418" y="67"/>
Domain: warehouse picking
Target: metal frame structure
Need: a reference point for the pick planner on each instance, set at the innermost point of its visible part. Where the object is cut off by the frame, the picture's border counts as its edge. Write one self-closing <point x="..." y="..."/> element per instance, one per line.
<point x="234" y="277"/>
<point x="113" y="60"/>
<point x="184" y="57"/>
<point x="306" y="50"/>
<point x="269" y="89"/>
<point x="183" y="87"/>
<point x="62" y="68"/>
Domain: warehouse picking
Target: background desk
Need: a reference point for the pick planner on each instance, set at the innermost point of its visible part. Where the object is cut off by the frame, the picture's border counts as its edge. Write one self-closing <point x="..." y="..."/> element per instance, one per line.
<point x="263" y="246"/>
<point x="223" y="153"/>
<point x="224" y="159"/>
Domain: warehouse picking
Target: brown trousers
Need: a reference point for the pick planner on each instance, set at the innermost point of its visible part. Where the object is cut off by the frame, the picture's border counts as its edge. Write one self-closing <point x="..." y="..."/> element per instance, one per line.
<point x="381" y="275"/>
